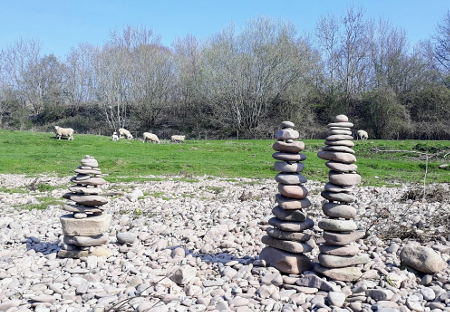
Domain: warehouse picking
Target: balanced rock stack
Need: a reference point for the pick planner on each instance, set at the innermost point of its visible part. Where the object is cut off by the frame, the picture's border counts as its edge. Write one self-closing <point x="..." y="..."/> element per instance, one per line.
<point x="86" y="224"/>
<point x="286" y="240"/>
<point x="339" y="255"/>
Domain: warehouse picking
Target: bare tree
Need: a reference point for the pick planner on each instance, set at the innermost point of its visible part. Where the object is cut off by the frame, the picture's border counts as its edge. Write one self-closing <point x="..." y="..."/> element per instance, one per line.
<point x="441" y="40"/>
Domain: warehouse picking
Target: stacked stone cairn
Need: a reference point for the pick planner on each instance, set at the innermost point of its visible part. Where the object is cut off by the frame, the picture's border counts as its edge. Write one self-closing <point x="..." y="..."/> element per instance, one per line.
<point x="286" y="240"/>
<point x="85" y="226"/>
<point x="339" y="254"/>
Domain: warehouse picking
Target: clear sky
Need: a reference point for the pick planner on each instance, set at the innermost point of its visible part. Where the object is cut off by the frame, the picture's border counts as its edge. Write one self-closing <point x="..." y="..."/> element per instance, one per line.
<point x="62" y="24"/>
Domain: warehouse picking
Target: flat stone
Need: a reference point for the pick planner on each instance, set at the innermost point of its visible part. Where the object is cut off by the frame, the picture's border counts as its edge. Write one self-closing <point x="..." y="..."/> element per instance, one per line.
<point x="89" y="161"/>
<point x="287" y="203"/>
<point x="337" y="188"/>
<point x="286" y="134"/>
<point x="347" y="274"/>
<point x="336" y="225"/>
<point x="88" y="171"/>
<point x="289" y="215"/>
<point x="79" y="253"/>
<point x="339" y="211"/>
<point x="339" y="131"/>
<point x="341" y="118"/>
<point x="82" y="209"/>
<point x="293" y="191"/>
<point x="347" y="143"/>
<point x="287" y="124"/>
<point x="290" y="178"/>
<point x="422" y="258"/>
<point x="338" y="137"/>
<point x="291" y="246"/>
<point x="289" y="167"/>
<point x="285" y="235"/>
<point x="85" y="190"/>
<point x="341" y="167"/>
<point x="338" y="197"/>
<point x="342" y="239"/>
<point x="345" y="124"/>
<point x="290" y="147"/>
<point x="86" y="200"/>
<point x="347" y="250"/>
<point x="314" y="281"/>
<point x="81" y="177"/>
<point x="336" y="298"/>
<point x="344" y="179"/>
<point x="86" y="241"/>
<point x="90" y="181"/>
<point x="91" y="226"/>
<point x="291" y="226"/>
<point x="333" y="261"/>
<point x="289" y="156"/>
<point x="339" y="148"/>
<point x="284" y="261"/>
<point x="337" y="156"/>
<point x="80" y="215"/>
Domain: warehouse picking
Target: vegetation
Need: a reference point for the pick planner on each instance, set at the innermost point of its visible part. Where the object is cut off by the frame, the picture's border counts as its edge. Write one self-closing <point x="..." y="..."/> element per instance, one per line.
<point x="239" y="83"/>
<point x="35" y="153"/>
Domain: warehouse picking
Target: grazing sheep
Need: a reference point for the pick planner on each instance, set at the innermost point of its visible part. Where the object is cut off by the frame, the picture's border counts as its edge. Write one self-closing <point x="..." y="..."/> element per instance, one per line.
<point x="68" y="132"/>
<point x="152" y="137"/>
<point x="115" y="137"/>
<point x="362" y="135"/>
<point x="125" y="133"/>
<point x="177" y="138"/>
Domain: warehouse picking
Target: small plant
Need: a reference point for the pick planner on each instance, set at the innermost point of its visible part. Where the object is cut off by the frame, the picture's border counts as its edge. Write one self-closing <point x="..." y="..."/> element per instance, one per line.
<point x="44" y="202"/>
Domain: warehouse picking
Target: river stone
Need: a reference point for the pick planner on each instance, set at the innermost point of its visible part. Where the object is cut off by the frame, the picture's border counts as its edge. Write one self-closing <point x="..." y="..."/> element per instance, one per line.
<point x="336" y="225"/>
<point x="339" y="211"/>
<point x="291" y="226"/>
<point x="87" y="200"/>
<point x="85" y="190"/>
<point x="293" y="191"/>
<point x="342" y="239"/>
<point x="81" y="177"/>
<point x="347" y="143"/>
<point x="288" y="167"/>
<point x="89" y="161"/>
<point x="91" y="226"/>
<point x="341" y="167"/>
<point x="287" y="124"/>
<point x="339" y="131"/>
<point x="423" y="259"/>
<point x="289" y="215"/>
<point x="339" y="148"/>
<point x="293" y="236"/>
<point x="284" y="261"/>
<point x="289" y="203"/>
<point x="128" y="238"/>
<point x="337" y="156"/>
<point x="91" y="181"/>
<point x="290" y="147"/>
<point x="99" y="251"/>
<point x="86" y="241"/>
<point x="344" y="179"/>
<point x="341" y="118"/>
<point x="286" y="134"/>
<point x="332" y="261"/>
<point x="289" y="156"/>
<point x="337" y="188"/>
<point x="290" y="178"/>
<point x="347" y="274"/>
<point x="291" y="246"/>
<point x="88" y="171"/>
<point x="338" y="197"/>
<point x="345" y="124"/>
<point x="346" y="250"/>
<point x="82" y="209"/>
<point x="338" y="137"/>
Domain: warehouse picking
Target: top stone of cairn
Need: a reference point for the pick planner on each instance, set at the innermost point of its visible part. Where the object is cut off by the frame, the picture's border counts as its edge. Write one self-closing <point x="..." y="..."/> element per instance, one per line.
<point x="341" y="118"/>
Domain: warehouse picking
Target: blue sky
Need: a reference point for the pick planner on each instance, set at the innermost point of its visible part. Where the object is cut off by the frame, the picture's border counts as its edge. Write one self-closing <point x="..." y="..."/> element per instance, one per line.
<point x="62" y="24"/>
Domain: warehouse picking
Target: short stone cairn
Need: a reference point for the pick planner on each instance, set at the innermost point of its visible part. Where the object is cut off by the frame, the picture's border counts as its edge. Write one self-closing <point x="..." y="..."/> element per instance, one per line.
<point x="85" y="226"/>
<point x="285" y="240"/>
<point x="338" y="257"/>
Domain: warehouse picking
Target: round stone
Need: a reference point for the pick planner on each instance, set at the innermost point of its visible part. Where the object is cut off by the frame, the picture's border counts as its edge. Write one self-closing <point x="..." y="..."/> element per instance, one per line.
<point x="336" y="225"/>
<point x="126" y="238"/>
<point x="340" y="118"/>
<point x="288" y="167"/>
<point x="338" y="197"/>
<point x="339" y="148"/>
<point x="341" y="167"/>
<point x="333" y="210"/>
<point x="291" y="246"/>
<point x="337" y="156"/>
<point x="285" y="235"/>
<point x="290" y="203"/>
<point x="293" y="191"/>
<point x="80" y="215"/>
<point x="286" y="134"/>
<point x="291" y="226"/>
<point x="289" y="156"/>
<point x="290" y="178"/>
<point x="344" y="179"/>
<point x="288" y="215"/>
<point x="289" y="147"/>
<point x="89" y="161"/>
<point x="347" y="250"/>
<point x="287" y="124"/>
<point x="347" y="143"/>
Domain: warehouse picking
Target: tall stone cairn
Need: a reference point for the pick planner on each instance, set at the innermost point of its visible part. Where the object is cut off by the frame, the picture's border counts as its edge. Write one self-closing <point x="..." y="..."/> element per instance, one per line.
<point x="285" y="240"/>
<point x="85" y="226"/>
<point x="339" y="255"/>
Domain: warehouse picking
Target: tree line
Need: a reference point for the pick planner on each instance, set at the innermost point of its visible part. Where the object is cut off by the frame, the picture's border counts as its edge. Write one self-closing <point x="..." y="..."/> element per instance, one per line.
<point x="237" y="83"/>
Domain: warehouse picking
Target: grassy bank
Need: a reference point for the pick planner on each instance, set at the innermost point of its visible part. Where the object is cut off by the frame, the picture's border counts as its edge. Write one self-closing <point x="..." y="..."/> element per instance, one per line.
<point x="34" y="153"/>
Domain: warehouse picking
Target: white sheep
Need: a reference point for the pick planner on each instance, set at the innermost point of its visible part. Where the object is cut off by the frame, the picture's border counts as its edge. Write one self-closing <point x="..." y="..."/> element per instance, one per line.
<point x="151" y="136"/>
<point x="177" y="138"/>
<point x="68" y="132"/>
<point x="125" y="133"/>
<point x="115" y="137"/>
<point x="362" y="135"/>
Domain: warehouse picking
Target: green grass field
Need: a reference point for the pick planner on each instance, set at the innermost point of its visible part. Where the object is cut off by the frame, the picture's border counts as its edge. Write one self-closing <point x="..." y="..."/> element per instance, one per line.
<point x="34" y="153"/>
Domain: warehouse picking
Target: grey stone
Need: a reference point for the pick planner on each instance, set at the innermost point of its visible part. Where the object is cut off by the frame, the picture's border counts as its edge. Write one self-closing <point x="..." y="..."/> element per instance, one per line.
<point x="336" y="298"/>
<point x="290" y="203"/>
<point x="291" y="226"/>
<point x="332" y="261"/>
<point x="341" y="167"/>
<point x="340" y="118"/>
<point x="289" y="156"/>
<point x="339" y="211"/>
<point x="284" y="166"/>
<point x="347" y="143"/>
<point x="86" y="200"/>
<point x="291" y="246"/>
<point x="293" y="191"/>
<point x="342" y="239"/>
<point x="312" y="280"/>
<point x="340" y="124"/>
<point x="287" y="124"/>
<point x="422" y="258"/>
<point x="289" y="215"/>
<point x="91" y="226"/>
<point x="338" y="148"/>
<point x="290" y="178"/>
<point x="347" y="274"/>
<point x="86" y="240"/>
<point x="338" y="197"/>
<point x="344" y="179"/>
<point x="338" y="137"/>
<point x="284" y="261"/>
<point x="337" y="188"/>
<point x="286" y="134"/>
<point x="336" y="225"/>
<point x="337" y="156"/>
<point x="290" y="147"/>
<point x="91" y="181"/>
<point x="79" y="189"/>
<point x="346" y="250"/>
<point x="128" y="238"/>
<point x="285" y="235"/>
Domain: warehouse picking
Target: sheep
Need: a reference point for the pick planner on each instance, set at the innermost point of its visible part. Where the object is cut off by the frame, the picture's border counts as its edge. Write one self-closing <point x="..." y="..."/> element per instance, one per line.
<point x="125" y="133"/>
<point x="151" y="136"/>
<point x="362" y="135"/>
<point x="177" y="138"/>
<point x="68" y="132"/>
<point x="115" y="137"/>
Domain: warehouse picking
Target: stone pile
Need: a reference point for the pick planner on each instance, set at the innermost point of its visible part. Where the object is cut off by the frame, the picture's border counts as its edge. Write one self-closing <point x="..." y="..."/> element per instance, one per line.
<point x="339" y="255"/>
<point x="86" y="225"/>
<point x="286" y="239"/>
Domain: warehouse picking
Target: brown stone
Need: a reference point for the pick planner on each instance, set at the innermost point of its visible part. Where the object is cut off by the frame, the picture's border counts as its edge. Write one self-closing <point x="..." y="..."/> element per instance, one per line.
<point x="339" y="211"/>
<point x="284" y="166"/>
<point x="289" y="156"/>
<point x="347" y="274"/>
<point x="341" y="167"/>
<point x="342" y="239"/>
<point x="290" y="178"/>
<point x="338" y="197"/>
<point x="344" y="179"/>
<point x="337" y="156"/>
<point x="289" y="215"/>
<point x="289" y="147"/>
<point x="289" y="203"/>
<point x="291" y="246"/>
<point x="339" y="148"/>
<point x="285" y="235"/>
<point x="293" y="191"/>
<point x="346" y="250"/>
<point x="291" y="226"/>
<point x="347" y="143"/>
<point x="284" y="261"/>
